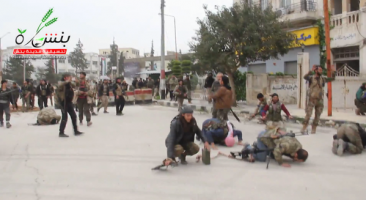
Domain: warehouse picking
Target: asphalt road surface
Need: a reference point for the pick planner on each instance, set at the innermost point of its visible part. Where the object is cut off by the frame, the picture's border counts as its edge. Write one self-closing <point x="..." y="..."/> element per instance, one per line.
<point x="113" y="160"/>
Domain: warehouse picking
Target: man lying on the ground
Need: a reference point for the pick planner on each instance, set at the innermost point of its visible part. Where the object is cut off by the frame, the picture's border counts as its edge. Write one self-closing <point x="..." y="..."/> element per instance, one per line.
<point x="180" y="141"/>
<point x="285" y="145"/>
<point x="349" y="138"/>
<point x="47" y="116"/>
<point x="220" y="132"/>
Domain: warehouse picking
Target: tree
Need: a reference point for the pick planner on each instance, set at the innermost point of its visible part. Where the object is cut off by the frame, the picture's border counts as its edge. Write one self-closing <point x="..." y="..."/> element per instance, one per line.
<point x="112" y="58"/>
<point x="50" y="72"/>
<point x="14" y="69"/>
<point x="152" y="53"/>
<point x="41" y="73"/>
<point x="186" y="66"/>
<point x="237" y="36"/>
<point x="176" y="68"/>
<point x="121" y="64"/>
<point x="77" y="58"/>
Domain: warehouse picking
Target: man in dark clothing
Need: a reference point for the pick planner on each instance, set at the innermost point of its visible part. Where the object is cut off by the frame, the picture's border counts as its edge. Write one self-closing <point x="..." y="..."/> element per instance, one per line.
<point x="5" y="100"/>
<point x="180" y="141"/>
<point x="52" y="90"/>
<point x="63" y="97"/>
<point x="103" y="94"/>
<point x="187" y="83"/>
<point x="43" y="93"/>
<point x="26" y="93"/>
<point x="157" y="86"/>
<point x="134" y="83"/>
<point x="15" y="93"/>
<point x="118" y="90"/>
<point x="140" y="84"/>
<point x="208" y="84"/>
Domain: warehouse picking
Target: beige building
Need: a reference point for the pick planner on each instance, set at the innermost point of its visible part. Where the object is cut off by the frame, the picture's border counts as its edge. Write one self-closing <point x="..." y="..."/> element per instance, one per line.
<point x="127" y="52"/>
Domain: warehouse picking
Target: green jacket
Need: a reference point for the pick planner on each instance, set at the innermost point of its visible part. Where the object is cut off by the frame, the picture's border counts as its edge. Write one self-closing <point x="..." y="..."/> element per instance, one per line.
<point x="359" y="94"/>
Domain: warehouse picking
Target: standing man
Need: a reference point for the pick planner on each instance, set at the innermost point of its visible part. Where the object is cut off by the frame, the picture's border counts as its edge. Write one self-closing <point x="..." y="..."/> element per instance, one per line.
<point x="157" y="85"/>
<point x="43" y="93"/>
<point x="5" y="100"/>
<point x="150" y="84"/>
<point x="173" y="82"/>
<point x="315" y="97"/>
<point x="94" y="89"/>
<point x="187" y="83"/>
<point x="180" y="92"/>
<point x="63" y="97"/>
<point x="26" y="93"/>
<point x="103" y="94"/>
<point x="208" y="84"/>
<point x="52" y="90"/>
<point x="223" y="99"/>
<point x="214" y="88"/>
<point x="15" y="92"/>
<point x="85" y="96"/>
<point x="33" y="93"/>
<point x="118" y="91"/>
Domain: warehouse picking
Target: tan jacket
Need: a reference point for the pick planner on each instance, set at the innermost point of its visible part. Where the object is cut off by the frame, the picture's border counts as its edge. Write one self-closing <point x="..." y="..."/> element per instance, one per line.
<point x="89" y="93"/>
<point x="223" y="98"/>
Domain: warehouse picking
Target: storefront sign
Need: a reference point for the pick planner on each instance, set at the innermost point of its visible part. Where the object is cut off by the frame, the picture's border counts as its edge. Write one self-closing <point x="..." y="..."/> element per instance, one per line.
<point x="307" y="37"/>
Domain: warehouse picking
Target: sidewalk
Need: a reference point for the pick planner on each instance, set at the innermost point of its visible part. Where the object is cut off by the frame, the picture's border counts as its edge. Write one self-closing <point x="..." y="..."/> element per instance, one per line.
<point x="339" y="116"/>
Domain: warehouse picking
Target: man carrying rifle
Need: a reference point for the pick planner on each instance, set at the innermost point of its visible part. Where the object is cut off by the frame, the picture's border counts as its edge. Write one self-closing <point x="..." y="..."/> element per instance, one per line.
<point x="63" y="97"/>
<point x="180" y="92"/>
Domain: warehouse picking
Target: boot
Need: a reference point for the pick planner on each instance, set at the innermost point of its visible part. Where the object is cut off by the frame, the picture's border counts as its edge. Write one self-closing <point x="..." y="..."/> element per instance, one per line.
<point x="341" y="147"/>
<point x="305" y="126"/>
<point x="335" y="146"/>
<point x="61" y="134"/>
<point x="8" y="125"/>
<point x="94" y="114"/>
<point x="106" y="111"/>
<point x="89" y="123"/>
<point x="183" y="159"/>
<point x="98" y="110"/>
<point x="77" y="133"/>
<point x="313" y="129"/>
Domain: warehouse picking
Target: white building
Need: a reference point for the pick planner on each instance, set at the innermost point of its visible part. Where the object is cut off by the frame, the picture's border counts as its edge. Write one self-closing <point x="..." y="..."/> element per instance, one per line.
<point x="127" y="52"/>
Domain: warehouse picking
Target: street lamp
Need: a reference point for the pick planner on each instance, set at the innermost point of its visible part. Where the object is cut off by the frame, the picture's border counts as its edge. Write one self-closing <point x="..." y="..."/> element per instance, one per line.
<point x="302" y="47"/>
<point x="1" y="61"/>
<point x="175" y="33"/>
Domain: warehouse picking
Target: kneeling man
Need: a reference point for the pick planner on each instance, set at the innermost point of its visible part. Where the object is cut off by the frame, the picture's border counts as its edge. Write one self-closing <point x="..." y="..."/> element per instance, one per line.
<point x="350" y="138"/>
<point x="47" y="116"/>
<point x="180" y="141"/>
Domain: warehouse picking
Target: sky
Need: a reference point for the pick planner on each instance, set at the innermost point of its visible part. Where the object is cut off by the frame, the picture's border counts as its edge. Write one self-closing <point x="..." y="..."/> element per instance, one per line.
<point x="133" y="23"/>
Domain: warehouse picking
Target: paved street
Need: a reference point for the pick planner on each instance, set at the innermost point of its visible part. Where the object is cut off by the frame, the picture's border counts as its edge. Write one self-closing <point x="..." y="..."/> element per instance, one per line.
<point x="113" y="160"/>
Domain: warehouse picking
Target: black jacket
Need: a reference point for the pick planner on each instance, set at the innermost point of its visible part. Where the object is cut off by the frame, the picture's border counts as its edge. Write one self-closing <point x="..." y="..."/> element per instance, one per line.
<point x="6" y="96"/>
<point x="100" y="90"/>
<point x="176" y="134"/>
<point x="39" y="90"/>
<point x="208" y="82"/>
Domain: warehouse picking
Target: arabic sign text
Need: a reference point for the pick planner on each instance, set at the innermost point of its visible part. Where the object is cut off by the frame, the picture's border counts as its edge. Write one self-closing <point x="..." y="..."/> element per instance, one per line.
<point x="290" y="87"/>
<point x="39" y="51"/>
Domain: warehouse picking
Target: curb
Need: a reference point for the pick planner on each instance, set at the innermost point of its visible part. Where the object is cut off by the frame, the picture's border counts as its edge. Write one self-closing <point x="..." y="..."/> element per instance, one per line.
<point x="244" y="114"/>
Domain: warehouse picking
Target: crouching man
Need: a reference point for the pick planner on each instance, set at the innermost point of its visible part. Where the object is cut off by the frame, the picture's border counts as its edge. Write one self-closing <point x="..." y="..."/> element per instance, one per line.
<point x="47" y="116"/>
<point x="285" y="144"/>
<point x="180" y="141"/>
<point x="349" y="138"/>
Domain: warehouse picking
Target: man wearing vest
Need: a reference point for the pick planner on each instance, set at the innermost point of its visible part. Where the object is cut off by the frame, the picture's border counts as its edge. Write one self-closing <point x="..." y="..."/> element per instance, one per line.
<point x="43" y="93"/>
<point x="85" y="96"/>
<point x="315" y="97"/>
<point x="180" y="92"/>
<point x="103" y="94"/>
<point x="260" y="107"/>
<point x="26" y="93"/>
<point x="118" y="91"/>
<point x="274" y="109"/>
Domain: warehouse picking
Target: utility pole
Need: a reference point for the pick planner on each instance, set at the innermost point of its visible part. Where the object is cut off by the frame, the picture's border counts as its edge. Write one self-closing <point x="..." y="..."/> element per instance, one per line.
<point x="162" y="63"/>
<point x="24" y="69"/>
<point x="327" y="43"/>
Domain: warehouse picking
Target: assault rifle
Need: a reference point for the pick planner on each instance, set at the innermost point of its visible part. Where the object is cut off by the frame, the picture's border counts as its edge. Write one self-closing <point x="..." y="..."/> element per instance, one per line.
<point x="246" y="152"/>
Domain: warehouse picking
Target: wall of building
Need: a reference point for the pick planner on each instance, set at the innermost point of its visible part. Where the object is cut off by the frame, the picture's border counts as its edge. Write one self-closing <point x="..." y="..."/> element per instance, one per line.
<point x="284" y="86"/>
<point x="273" y="65"/>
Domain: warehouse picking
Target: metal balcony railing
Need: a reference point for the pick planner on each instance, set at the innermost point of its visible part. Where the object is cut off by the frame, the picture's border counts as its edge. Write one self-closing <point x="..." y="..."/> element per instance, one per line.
<point x="302" y="6"/>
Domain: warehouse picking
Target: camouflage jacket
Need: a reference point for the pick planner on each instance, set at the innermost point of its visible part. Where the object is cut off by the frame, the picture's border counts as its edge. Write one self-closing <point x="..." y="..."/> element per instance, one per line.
<point x="46" y="115"/>
<point x="285" y="145"/>
<point x="267" y="139"/>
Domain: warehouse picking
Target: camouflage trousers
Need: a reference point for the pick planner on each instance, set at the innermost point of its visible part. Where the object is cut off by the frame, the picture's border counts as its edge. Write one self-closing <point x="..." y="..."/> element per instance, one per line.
<point x="316" y="104"/>
<point x="190" y="149"/>
<point x="360" y="105"/>
<point x="350" y="132"/>
<point x="25" y="103"/>
<point x="222" y="114"/>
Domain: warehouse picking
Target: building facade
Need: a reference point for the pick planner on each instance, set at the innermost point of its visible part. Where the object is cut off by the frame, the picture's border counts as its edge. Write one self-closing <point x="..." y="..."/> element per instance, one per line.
<point x="127" y="52"/>
<point x="303" y="16"/>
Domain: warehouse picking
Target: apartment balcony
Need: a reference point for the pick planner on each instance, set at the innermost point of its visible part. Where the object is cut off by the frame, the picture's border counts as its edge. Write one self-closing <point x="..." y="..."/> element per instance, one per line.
<point x="300" y="13"/>
<point x="346" y="29"/>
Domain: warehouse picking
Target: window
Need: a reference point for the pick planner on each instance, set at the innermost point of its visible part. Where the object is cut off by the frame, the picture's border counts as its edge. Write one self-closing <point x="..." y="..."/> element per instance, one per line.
<point x="95" y="62"/>
<point x="264" y="4"/>
<point x="61" y="61"/>
<point x="285" y="3"/>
